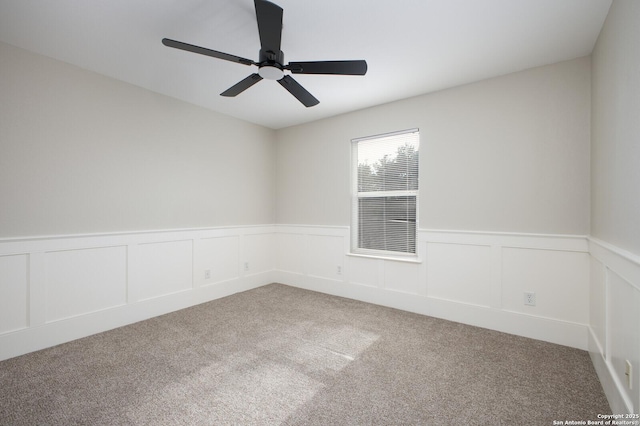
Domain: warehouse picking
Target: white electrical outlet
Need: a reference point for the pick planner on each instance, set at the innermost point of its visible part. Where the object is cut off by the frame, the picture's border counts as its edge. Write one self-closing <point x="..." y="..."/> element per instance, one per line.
<point x="529" y="298"/>
<point x="339" y="270"/>
<point x="628" y="372"/>
<point x="207" y="274"/>
<point x="246" y="266"/>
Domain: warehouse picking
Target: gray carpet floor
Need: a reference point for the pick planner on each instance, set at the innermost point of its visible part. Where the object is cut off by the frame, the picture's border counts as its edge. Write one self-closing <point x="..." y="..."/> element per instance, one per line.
<point x="281" y="355"/>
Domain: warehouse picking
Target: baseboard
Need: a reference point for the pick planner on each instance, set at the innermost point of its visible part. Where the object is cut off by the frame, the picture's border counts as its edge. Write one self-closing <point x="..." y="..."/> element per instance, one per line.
<point x="549" y="330"/>
<point x="32" y="339"/>
<point x="618" y="401"/>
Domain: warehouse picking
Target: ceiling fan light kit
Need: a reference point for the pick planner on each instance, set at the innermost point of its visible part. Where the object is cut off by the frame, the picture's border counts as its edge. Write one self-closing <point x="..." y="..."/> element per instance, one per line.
<point x="271" y="59"/>
<point x="271" y="65"/>
<point x="271" y="73"/>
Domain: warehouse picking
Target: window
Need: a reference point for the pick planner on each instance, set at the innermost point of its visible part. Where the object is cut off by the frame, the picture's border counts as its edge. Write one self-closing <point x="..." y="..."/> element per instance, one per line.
<point x="385" y="193"/>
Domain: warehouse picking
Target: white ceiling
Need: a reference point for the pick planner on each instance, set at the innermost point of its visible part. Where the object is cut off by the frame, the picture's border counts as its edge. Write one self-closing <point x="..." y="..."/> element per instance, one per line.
<point x="412" y="47"/>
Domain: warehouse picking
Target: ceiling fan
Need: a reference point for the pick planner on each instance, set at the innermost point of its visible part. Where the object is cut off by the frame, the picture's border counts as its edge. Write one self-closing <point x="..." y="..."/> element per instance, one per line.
<point x="271" y="63"/>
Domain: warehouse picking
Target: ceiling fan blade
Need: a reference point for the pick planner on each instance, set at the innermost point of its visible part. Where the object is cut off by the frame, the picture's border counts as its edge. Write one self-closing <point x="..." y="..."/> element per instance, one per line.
<point x="269" y="17"/>
<point x="298" y="91"/>
<point x="208" y="52"/>
<point x="241" y="86"/>
<point x="329" y="67"/>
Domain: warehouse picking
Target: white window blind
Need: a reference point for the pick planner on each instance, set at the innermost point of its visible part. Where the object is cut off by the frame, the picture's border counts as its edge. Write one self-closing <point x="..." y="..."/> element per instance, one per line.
<point x="385" y="193"/>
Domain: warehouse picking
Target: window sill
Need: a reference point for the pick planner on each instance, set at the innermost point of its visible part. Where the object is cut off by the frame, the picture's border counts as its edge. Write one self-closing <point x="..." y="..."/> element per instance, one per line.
<point x="407" y="259"/>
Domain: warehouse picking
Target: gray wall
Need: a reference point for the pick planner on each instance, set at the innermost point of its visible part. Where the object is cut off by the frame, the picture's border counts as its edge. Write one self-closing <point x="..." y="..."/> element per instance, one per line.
<point x="507" y="154"/>
<point x="83" y="153"/>
<point x="615" y="144"/>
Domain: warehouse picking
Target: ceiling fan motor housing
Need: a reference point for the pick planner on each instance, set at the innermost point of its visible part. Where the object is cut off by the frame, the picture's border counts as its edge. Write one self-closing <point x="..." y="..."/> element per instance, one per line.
<point x="270" y="64"/>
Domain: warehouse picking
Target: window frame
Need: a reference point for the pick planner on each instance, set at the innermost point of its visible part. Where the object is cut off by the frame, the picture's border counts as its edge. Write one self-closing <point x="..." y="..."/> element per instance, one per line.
<point x="356" y="196"/>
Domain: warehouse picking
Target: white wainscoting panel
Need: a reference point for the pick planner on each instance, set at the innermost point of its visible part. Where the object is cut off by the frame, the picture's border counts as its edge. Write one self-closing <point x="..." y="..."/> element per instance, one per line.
<point x="615" y="323"/>
<point x="460" y="273"/>
<point x="259" y="253"/>
<point x="402" y="277"/>
<point x="624" y="331"/>
<point x="365" y="271"/>
<point x="289" y="257"/>
<point x="325" y="256"/>
<point x="559" y="279"/>
<point x="219" y="256"/>
<point x="14" y="291"/>
<point x="471" y="277"/>
<point x="84" y="281"/>
<point x="56" y="289"/>
<point x="60" y="288"/>
<point x="597" y="304"/>
<point x="164" y="268"/>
